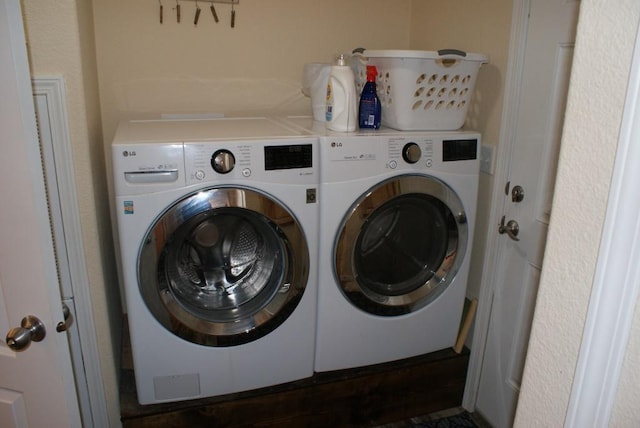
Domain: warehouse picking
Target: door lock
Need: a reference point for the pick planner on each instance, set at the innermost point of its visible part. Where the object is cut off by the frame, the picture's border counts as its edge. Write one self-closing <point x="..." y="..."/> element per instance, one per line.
<point x="63" y="325"/>
<point x="517" y="194"/>
<point x="511" y="228"/>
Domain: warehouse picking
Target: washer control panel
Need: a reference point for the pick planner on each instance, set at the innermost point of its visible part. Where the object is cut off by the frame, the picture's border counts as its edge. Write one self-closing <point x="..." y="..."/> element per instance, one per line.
<point x="286" y="161"/>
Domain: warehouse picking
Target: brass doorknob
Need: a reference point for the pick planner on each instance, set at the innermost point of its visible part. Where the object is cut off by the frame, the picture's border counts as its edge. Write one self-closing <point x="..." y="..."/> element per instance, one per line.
<point x="31" y="329"/>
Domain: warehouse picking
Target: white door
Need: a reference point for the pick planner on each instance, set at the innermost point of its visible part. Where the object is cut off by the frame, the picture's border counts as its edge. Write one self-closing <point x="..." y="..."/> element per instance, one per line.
<point x="36" y="384"/>
<point x="528" y="191"/>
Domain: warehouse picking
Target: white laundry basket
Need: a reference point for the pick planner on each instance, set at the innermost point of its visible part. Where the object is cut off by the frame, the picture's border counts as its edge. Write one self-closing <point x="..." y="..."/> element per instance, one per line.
<point x="422" y="90"/>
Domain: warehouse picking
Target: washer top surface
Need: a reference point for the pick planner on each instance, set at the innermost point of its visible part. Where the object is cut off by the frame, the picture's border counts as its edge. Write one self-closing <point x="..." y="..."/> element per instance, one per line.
<point x="233" y="128"/>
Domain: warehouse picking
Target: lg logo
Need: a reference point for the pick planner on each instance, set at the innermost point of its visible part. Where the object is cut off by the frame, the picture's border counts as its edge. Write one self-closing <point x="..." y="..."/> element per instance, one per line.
<point x="128" y="153"/>
<point x="334" y="144"/>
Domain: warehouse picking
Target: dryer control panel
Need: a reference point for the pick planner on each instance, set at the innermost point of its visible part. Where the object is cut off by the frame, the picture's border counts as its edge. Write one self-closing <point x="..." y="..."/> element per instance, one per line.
<point x="352" y="157"/>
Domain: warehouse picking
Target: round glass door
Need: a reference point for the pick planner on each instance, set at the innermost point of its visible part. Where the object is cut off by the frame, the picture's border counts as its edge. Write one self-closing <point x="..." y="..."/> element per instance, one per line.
<point x="400" y="245"/>
<point x="223" y="266"/>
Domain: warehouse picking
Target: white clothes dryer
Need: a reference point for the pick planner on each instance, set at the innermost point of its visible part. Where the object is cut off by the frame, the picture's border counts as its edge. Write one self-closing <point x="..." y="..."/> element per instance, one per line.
<point x="397" y="213"/>
<point x="218" y="229"/>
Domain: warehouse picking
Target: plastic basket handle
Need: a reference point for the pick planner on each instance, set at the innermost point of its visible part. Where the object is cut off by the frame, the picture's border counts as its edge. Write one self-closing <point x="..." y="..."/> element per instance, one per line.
<point x="359" y="60"/>
<point x="457" y="52"/>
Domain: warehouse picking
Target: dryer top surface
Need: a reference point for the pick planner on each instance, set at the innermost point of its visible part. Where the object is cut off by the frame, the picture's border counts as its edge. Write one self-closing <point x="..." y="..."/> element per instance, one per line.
<point x="309" y="125"/>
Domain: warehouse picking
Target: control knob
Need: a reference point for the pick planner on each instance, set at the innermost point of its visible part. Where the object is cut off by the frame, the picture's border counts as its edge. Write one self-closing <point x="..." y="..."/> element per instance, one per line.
<point x="411" y="153"/>
<point x="223" y="161"/>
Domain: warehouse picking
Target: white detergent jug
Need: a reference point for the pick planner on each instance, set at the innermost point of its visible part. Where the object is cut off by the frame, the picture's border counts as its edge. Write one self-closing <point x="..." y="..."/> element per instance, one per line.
<point x="341" y="114"/>
<point x="315" y="78"/>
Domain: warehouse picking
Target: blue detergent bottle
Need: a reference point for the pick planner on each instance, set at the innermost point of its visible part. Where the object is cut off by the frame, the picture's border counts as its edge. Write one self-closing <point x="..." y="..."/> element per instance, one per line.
<point x="370" y="111"/>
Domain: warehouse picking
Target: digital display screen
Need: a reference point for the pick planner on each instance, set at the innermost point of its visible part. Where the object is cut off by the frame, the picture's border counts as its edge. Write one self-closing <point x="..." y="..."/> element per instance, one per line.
<point x="458" y="150"/>
<point x="288" y="157"/>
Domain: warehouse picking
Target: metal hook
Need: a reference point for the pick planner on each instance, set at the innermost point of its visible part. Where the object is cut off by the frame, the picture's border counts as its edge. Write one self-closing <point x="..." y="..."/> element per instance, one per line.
<point x="213" y="12"/>
<point x="195" y="19"/>
<point x="233" y="15"/>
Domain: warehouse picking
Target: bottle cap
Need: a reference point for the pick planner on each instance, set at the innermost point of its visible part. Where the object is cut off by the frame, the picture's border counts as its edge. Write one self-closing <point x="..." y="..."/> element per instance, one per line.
<point x="372" y="72"/>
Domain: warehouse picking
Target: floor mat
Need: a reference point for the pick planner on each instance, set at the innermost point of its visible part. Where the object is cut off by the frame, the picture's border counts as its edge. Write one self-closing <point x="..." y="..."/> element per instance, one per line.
<point x="456" y="417"/>
<point x="461" y="420"/>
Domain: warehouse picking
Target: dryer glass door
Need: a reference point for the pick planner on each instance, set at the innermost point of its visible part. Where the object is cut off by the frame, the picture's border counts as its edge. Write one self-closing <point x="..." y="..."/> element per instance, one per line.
<point x="400" y="245"/>
<point x="223" y="266"/>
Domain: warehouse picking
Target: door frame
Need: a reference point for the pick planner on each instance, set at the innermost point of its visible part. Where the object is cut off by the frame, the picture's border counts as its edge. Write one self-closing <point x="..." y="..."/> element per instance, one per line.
<point x="86" y="366"/>
<point x="610" y="308"/>
<point x="490" y="268"/>
<point x="616" y="283"/>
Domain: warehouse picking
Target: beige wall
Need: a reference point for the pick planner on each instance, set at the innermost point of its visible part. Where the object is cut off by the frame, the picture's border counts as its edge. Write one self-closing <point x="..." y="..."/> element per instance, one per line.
<point x="146" y="67"/>
<point x="594" y="112"/>
<point x="479" y="27"/>
<point x="60" y="42"/>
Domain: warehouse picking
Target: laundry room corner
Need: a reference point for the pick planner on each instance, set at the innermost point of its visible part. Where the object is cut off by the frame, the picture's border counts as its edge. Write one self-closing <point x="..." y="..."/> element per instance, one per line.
<point x="120" y="62"/>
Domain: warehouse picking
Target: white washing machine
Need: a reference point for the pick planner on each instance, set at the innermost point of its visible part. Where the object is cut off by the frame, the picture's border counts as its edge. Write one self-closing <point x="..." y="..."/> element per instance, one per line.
<point x="397" y="213"/>
<point x="218" y="230"/>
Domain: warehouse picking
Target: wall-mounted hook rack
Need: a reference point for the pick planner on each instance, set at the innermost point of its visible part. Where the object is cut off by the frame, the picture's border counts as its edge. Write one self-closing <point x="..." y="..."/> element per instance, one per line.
<point x="217" y="1"/>
<point x="197" y="12"/>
